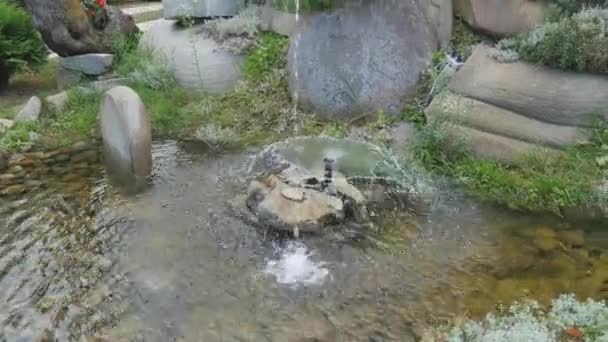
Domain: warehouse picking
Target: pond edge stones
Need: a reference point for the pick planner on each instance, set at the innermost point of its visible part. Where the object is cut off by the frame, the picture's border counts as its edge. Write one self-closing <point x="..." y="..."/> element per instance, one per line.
<point x="127" y="137"/>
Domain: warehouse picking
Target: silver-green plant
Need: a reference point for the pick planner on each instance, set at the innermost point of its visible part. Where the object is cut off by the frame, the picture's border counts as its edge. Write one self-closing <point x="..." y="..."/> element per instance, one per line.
<point x="529" y="322"/>
<point x="246" y="24"/>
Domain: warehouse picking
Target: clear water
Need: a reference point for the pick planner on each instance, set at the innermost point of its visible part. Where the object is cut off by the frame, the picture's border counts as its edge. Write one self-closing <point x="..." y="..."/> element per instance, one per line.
<point x="176" y="264"/>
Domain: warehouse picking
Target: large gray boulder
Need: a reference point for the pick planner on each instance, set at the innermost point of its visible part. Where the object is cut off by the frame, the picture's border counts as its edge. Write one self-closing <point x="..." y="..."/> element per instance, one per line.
<point x="545" y="94"/>
<point x="127" y="137"/>
<point x="69" y="31"/>
<point x="197" y="61"/>
<point x="366" y="56"/>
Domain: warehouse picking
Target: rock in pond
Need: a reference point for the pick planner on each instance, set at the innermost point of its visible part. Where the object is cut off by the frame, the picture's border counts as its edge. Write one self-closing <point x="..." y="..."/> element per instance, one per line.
<point x="361" y="175"/>
<point x="31" y="110"/>
<point x="279" y="206"/>
<point x="364" y="57"/>
<point x="93" y="64"/>
<point x="127" y="137"/>
<point x="196" y="59"/>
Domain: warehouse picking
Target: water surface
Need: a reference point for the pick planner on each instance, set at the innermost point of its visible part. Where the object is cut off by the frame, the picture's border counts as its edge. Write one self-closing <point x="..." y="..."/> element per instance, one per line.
<point x="174" y="263"/>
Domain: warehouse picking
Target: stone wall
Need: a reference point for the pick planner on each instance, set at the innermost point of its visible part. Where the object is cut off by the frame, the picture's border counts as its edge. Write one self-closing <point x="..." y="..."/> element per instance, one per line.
<point x="507" y="109"/>
<point x="64" y="167"/>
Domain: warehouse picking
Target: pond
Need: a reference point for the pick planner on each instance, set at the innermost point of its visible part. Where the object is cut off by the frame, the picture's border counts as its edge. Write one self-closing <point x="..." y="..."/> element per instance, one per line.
<point x="174" y="263"/>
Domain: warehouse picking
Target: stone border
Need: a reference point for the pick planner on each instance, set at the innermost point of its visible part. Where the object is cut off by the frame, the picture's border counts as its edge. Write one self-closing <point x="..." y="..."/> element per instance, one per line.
<point x="22" y="172"/>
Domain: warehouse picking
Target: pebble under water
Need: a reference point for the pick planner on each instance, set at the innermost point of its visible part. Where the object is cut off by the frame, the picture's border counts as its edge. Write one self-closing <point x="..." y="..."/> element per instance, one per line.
<point x="174" y="263"/>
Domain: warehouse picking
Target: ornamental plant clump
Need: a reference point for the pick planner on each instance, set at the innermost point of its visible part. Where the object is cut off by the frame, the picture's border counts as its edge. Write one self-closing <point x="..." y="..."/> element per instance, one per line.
<point x="568" y="318"/>
<point x="578" y="42"/>
<point x="21" y="46"/>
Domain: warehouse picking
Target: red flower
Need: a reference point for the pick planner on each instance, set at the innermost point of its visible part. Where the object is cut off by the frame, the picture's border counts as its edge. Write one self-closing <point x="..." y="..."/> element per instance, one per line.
<point x="101" y="3"/>
<point x="574" y="332"/>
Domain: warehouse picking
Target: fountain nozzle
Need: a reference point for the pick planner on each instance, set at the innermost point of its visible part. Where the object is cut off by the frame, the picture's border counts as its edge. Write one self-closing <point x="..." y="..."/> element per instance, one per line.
<point x="327" y="184"/>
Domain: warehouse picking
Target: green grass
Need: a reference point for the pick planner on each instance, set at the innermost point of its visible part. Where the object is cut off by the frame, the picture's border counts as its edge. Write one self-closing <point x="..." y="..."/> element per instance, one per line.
<point x="26" y="83"/>
<point x="17" y="136"/>
<point x="77" y="122"/>
<point x="536" y="182"/>
<point x="269" y="55"/>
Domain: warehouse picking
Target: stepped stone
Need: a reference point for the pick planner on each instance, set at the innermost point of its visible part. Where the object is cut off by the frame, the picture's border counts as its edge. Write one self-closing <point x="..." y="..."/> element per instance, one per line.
<point x="549" y="95"/>
<point x="494" y="120"/>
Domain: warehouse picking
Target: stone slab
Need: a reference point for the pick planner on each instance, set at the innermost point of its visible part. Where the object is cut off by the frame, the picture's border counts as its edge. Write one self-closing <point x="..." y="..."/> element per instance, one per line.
<point x="545" y="94"/>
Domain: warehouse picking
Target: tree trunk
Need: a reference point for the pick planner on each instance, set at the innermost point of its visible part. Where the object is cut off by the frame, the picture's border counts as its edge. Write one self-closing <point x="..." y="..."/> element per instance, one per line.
<point x="69" y="31"/>
<point x="4" y="77"/>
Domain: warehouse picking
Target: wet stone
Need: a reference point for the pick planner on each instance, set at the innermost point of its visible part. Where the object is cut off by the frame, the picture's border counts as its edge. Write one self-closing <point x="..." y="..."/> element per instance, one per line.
<point x="62" y="158"/>
<point x="79" y="146"/>
<point x="87" y="155"/>
<point x="35" y="155"/>
<point x="70" y="177"/>
<point x="15" y="159"/>
<point x="7" y="178"/>
<point x="572" y="238"/>
<point x="32" y="183"/>
<point x="16" y="169"/>
<point x="81" y="165"/>
<point x="13" y="190"/>
<point x="59" y="170"/>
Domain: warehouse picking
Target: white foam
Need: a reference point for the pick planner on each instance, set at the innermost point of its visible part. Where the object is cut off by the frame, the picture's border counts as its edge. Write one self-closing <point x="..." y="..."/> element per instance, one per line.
<point x="296" y="267"/>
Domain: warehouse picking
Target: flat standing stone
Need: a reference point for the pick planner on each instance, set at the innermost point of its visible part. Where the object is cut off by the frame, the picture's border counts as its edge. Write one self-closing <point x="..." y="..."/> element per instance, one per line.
<point x="90" y="64"/>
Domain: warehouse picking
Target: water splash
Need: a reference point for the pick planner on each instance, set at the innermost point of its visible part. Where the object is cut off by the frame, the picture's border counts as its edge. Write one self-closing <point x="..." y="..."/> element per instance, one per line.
<point x="296" y="266"/>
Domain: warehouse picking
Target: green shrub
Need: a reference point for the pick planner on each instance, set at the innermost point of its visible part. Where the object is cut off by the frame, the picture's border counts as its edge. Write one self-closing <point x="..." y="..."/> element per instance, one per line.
<point x="536" y="182"/>
<point x="20" y="44"/>
<point x="578" y="42"/>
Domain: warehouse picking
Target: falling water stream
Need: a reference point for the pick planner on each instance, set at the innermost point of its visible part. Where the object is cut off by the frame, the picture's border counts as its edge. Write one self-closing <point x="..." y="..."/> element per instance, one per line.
<point x="174" y="263"/>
